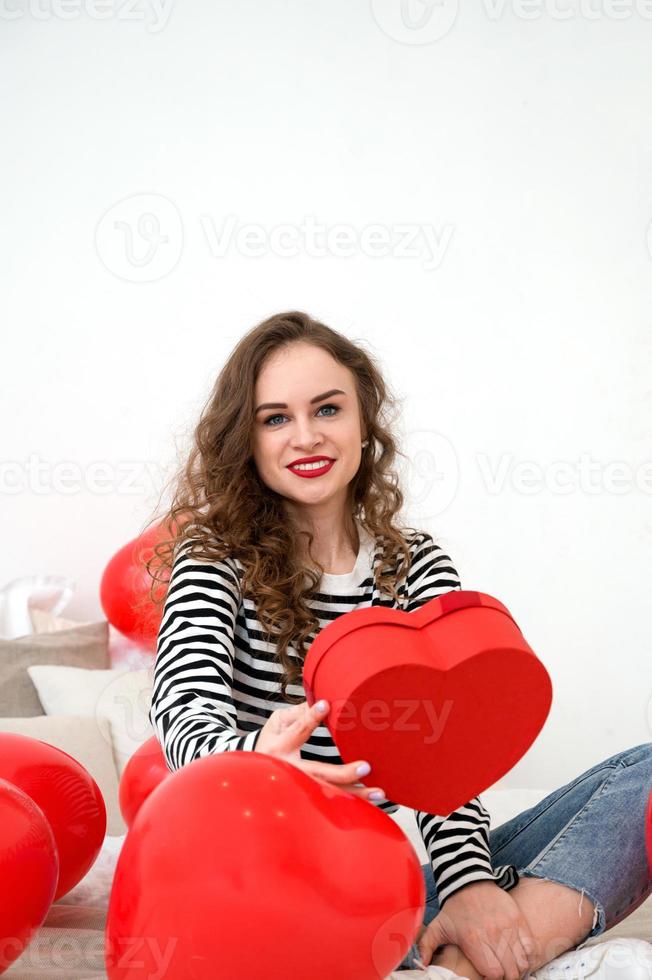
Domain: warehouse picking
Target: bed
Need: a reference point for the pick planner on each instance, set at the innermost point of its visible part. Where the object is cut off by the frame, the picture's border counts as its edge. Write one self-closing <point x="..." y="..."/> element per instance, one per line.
<point x="70" y="943"/>
<point x="86" y="690"/>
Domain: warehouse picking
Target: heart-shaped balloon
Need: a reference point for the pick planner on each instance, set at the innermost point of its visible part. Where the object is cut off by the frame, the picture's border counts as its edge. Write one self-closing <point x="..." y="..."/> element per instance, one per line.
<point x="442" y="701"/>
<point x="29" y="871"/>
<point x="242" y="865"/>
<point x="69" y="797"/>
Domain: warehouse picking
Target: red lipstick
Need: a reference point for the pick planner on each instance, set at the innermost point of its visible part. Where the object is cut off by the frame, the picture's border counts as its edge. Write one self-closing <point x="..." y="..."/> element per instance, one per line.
<point x="313" y="471"/>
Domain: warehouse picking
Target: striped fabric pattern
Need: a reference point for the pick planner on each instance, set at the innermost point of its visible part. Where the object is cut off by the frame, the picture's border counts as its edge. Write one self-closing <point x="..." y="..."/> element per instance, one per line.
<point x="216" y="681"/>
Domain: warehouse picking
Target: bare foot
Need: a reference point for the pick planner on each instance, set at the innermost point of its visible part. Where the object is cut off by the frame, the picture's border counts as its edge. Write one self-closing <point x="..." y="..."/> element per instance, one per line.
<point x="454" y="959"/>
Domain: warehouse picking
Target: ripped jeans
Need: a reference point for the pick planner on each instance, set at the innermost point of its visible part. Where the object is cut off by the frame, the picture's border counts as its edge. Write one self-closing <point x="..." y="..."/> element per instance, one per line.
<point x="589" y="835"/>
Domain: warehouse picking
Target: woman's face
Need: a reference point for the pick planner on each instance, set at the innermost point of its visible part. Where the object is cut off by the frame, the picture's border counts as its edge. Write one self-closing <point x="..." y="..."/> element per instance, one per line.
<point x="303" y="426"/>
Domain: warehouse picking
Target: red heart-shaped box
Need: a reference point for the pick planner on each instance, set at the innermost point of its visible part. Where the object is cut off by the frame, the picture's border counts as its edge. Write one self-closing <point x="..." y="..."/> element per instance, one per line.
<point x="442" y="701"/>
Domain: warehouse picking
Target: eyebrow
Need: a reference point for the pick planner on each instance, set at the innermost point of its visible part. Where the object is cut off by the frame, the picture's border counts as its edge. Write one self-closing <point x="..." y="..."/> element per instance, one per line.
<point x="317" y="398"/>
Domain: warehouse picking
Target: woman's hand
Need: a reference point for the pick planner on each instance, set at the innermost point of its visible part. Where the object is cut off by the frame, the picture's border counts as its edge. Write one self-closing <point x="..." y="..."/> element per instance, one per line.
<point x="485" y="922"/>
<point x="287" y="729"/>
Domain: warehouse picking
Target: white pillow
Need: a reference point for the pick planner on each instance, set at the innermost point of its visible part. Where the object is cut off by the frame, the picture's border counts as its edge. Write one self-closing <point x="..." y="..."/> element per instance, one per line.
<point x="120" y="697"/>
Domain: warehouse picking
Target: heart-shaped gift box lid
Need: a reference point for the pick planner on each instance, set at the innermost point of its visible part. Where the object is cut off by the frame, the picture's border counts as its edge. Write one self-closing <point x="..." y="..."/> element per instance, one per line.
<point x="441" y="701"/>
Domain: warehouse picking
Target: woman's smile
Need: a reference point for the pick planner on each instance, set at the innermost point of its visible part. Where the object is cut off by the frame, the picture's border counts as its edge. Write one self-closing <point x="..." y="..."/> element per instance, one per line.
<point x="312" y="469"/>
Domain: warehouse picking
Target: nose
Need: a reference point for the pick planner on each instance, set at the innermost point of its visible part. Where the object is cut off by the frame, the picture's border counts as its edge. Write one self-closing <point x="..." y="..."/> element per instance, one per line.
<point x="306" y="435"/>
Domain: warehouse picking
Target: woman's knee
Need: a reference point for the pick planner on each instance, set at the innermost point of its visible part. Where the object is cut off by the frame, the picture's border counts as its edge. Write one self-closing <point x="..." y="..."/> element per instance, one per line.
<point x="636" y="774"/>
<point x="562" y="912"/>
<point x="639" y="755"/>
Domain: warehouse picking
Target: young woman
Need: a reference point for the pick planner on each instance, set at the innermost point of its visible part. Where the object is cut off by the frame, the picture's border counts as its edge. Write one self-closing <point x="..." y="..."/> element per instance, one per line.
<point x="288" y="511"/>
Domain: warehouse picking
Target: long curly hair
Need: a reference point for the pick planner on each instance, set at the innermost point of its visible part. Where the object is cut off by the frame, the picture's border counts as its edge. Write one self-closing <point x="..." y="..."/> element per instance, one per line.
<point x="221" y="508"/>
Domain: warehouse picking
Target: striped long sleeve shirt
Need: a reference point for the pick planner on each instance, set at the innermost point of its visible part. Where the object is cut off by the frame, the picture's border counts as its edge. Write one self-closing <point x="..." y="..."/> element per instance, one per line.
<point x="216" y="681"/>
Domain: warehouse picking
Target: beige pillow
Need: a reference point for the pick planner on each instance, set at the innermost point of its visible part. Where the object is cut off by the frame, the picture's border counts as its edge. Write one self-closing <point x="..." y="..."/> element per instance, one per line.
<point x="84" y="740"/>
<point x="80" y="646"/>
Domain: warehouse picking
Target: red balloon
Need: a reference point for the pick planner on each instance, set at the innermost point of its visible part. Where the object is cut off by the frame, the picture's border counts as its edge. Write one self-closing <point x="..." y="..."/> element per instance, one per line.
<point x="69" y="797"/>
<point x="240" y="864"/>
<point x="125" y="590"/>
<point x="144" y="771"/>
<point x="29" y="870"/>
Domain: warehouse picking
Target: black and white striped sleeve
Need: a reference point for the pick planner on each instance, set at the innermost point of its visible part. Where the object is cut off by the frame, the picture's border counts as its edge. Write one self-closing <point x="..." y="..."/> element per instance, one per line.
<point x="192" y="709"/>
<point x="457" y="843"/>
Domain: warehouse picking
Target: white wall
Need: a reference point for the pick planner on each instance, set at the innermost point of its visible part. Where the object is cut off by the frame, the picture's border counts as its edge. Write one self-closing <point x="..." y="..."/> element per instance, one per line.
<point x="515" y="150"/>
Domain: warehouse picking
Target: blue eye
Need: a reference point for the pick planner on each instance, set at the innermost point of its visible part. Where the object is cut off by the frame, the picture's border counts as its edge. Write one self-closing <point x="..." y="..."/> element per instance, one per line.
<point x="279" y="416"/>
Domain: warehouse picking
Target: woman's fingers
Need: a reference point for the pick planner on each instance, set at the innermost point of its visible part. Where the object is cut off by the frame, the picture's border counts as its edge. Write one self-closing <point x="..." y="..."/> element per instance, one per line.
<point x="346" y="777"/>
<point x="487" y="960"/>
<point x="364" y="792"/>
<point x="286" y="717"/>
<point x="508" y="952"/>
<point x="527" y="942"/>
<point x="350" y="772"/>
<point x="523" y="960"/>
<point x="302" y="722"/>
<point x="510" y="964"/>
<point x="375" y="794"/>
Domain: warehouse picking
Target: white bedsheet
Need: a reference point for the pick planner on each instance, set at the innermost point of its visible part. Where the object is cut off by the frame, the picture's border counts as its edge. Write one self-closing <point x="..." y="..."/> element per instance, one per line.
<point x="70" y="943"/>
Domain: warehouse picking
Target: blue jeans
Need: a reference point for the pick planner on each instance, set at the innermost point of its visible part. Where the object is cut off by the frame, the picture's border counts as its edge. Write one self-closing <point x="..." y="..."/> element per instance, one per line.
<point x="590" y="835"/>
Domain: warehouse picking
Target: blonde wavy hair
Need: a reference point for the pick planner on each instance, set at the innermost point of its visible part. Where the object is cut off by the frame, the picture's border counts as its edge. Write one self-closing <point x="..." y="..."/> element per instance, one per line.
<point x="222" y="509"/>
